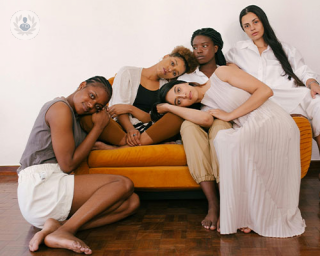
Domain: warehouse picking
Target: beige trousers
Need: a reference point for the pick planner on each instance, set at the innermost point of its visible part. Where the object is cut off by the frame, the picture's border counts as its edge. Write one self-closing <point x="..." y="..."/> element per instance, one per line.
<point x="201" y="154"/>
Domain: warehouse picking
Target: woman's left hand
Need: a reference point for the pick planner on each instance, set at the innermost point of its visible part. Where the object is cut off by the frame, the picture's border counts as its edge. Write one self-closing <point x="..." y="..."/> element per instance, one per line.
<point x="163" y="108"/>
<point x="119" y="109"/>
<point x="315" y="89"/>
<point x="220" y="114"/>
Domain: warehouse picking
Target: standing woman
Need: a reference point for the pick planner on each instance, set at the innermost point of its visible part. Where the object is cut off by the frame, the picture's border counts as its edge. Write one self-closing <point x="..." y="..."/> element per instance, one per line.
<point x="135" y="90"/>
<point x="198" y="142"/>
<point x="278" y="65"/>
<point x="52" y="199"/>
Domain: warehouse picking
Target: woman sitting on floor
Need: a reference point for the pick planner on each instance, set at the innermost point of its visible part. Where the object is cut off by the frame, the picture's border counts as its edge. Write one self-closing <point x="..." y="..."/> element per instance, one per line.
<point x="51" y="199"/>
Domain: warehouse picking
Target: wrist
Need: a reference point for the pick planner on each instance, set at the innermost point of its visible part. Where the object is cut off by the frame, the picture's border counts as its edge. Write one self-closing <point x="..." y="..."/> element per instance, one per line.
<point x="308" y="85"/>
<point x="97" y="128"/>
<point x="231" y="116"/>
<point x="169" y="107"/>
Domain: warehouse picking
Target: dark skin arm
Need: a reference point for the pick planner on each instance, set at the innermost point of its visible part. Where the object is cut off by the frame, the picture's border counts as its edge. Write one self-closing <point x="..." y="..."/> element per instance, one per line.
<point x="120" y="109"/>
<point x="60" y="120"/>
<point x="126" y="124"/>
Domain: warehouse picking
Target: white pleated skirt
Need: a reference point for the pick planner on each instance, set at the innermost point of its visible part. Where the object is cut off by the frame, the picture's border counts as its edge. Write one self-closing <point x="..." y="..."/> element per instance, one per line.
<point x="260" y="174"/>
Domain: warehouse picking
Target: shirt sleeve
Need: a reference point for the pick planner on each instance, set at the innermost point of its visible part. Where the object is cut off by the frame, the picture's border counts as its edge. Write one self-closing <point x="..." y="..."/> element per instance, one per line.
<point x="298" y="65"/>
<point x="121" y="88"/>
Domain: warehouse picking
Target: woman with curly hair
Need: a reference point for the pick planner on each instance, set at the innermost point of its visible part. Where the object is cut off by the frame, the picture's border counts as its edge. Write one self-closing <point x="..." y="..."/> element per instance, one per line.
<point x="135" y="90"/>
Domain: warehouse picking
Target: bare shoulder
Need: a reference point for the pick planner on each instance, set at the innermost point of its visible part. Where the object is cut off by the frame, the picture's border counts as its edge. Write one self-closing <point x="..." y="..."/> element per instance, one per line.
<point x="223" y="72"/>
<point x="59" y="112"/>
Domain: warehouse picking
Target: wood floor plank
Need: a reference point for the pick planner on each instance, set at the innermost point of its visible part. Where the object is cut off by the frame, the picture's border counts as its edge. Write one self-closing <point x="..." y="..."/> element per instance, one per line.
<point x="165" y="228"/>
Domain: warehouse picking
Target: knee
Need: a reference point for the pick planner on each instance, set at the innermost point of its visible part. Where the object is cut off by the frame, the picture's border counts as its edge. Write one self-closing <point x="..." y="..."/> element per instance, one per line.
<point x="217" y="126"/>
<point x="127" y="185"/>
<point x="188" y="127"/>
<point x="86" y="123"/>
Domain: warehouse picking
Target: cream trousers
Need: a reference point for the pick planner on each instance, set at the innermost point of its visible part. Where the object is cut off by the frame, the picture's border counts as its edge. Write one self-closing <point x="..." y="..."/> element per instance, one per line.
<point x="198" y="145"/>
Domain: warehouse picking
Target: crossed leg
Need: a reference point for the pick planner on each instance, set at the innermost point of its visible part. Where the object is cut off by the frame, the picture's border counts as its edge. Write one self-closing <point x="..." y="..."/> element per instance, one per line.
<point x="98" y="200"/>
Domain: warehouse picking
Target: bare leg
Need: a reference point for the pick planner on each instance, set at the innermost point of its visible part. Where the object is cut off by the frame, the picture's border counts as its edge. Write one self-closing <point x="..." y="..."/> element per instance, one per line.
<point x="112" y="133"/>
<point x="49" y="226"/>
<point x="210" y="190"/>
<point x="98" y="200"/>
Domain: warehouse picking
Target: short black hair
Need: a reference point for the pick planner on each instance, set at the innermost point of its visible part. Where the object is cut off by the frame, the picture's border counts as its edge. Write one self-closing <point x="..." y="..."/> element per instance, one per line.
<point x="101" y="80"/>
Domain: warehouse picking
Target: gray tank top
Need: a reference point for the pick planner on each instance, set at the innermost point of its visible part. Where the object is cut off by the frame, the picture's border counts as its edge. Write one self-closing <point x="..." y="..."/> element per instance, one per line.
<point x="39" y="148"/>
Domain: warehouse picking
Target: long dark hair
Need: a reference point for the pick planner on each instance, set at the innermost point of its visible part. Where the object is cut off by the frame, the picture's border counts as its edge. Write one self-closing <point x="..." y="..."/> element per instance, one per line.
<point x="155" y="116"/>
<point x="270" y="38"/>
<point x="216" y="39"/>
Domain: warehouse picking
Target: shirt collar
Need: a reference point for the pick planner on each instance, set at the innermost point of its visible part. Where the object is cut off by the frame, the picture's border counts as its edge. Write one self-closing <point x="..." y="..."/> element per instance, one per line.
<point x="198" y="72"/>
<point x="250" y="45"/>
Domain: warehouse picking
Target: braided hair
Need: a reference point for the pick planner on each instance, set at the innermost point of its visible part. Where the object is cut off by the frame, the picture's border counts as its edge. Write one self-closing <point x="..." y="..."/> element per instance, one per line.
<point x="100" y="80"/>
<point x="270" y="38"/>
<point x="216" y="39"/>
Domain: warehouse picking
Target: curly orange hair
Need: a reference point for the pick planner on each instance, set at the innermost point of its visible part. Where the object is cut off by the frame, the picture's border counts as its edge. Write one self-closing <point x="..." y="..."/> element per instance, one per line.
<point x="189" y="60"/>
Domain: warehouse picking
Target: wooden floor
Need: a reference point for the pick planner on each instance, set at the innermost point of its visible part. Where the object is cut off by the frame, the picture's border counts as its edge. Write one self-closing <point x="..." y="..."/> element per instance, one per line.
<point x="163" y="227"/>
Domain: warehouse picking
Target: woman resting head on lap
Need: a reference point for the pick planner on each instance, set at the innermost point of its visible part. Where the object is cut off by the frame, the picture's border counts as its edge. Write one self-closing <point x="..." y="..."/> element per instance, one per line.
<point x="135" y="90"/>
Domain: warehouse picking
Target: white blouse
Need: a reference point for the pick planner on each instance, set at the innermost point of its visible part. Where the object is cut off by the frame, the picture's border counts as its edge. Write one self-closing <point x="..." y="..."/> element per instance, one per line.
<point x="125" y="87"/>
<point x="267" y="68"/>
<point x="196" y="76"/>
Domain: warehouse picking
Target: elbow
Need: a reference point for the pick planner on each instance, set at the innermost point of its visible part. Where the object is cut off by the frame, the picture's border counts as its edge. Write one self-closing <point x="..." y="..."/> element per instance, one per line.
<point x="207" y="121"/>
<point x="269" y="92"/>
<point x="67" y="168"/>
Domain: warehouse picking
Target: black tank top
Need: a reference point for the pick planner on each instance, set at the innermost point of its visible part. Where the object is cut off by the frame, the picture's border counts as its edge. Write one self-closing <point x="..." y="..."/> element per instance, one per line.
<point x="145" y="99"/>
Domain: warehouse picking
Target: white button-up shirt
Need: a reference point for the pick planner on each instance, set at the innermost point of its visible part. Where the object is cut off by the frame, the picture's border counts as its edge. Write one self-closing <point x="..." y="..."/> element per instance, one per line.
<point x="196" y="76"/>
<point x="267" y="68"/>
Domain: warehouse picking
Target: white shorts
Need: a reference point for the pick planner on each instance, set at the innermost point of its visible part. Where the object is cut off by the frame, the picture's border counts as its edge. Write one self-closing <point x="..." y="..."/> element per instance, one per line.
<point x="45" y="191"/>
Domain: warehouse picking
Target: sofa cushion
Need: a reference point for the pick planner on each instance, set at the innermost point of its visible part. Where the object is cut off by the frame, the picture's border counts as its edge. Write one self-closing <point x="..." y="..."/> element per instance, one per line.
<point x="154" y="155"/>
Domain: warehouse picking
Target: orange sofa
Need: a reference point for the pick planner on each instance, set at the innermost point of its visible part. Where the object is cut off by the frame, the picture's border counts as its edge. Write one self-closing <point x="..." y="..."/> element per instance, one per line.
<point x="164" y="167"/>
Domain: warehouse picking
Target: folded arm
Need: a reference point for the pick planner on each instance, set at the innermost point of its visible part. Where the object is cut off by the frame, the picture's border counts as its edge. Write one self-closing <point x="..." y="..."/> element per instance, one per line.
<point x="60" y="120"/>
<point x="199" y="117"/>
<point x="259" y="91"/>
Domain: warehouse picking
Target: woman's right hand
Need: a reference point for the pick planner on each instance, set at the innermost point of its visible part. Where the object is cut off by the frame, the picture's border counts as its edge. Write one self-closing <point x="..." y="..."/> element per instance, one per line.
<point x="101" y="119"/>
<point x="133" y="138"/>
<point x="163" y="108"/>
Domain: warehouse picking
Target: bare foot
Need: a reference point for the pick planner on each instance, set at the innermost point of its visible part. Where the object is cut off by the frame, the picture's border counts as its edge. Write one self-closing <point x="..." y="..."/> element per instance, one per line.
<point x="218" y="225"/>
<point x="98" y="145"/>
<point x="210" y="221"/>
<point x="170" y="142"/>
<point x="50" y="226"/>
<point x="245" y="230"/>
<point x="63" y="239"/>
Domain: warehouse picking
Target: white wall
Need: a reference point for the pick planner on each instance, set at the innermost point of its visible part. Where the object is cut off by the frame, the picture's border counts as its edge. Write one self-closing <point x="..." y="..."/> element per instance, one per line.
<point x="81" y="38"/>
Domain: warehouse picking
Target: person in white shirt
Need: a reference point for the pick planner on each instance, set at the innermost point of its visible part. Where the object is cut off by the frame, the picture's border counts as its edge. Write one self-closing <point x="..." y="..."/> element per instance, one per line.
<point x="278" y="65"/>
<point x="197" y="141"/>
